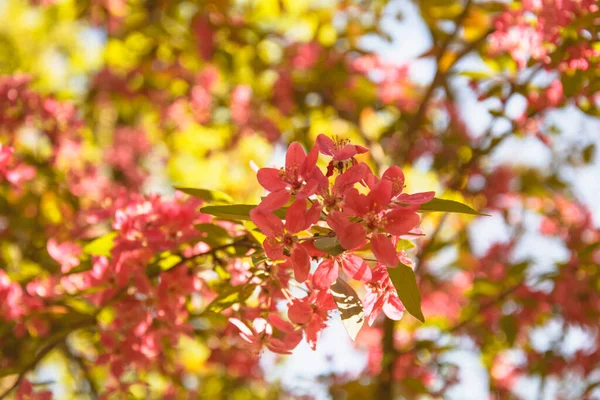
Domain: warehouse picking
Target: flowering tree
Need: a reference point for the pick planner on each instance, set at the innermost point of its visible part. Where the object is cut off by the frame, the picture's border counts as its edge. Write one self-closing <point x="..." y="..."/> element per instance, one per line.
<point x="131" y="134"/>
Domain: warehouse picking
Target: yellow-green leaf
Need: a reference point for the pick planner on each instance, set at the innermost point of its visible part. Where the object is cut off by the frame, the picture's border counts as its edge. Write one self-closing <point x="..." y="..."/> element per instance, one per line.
<point x="405" y="282"/>
<point x="350" y="307"/>
<point x="449" y="206"/>
<point x="236" y="212"/>
<point x="211" y="196"/>
<point x="101" y="246"/>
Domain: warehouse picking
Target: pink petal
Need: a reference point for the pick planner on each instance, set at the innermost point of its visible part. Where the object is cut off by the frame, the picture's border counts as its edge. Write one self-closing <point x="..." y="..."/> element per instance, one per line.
<point x="300" y="312"/>
<point x="245" y="332"/>
<point x="326" y="273"/>
<point x="361" y="149"/>
<point x="311" y="161"/>
<point x="275" y="200"/>
<point x="400" y="222"/>
<point x="295" y="217"/>
<point x="301" y="261"/>
<point x="353" y="175"/>
<point x="395" y="175"/>
<point x="348" y="151"/>
<point x="326" y="145"/>
<point x="295" y="156"/>
<point x="384" y="250"/>
<point x="381" y="195"/>
<point x="356" y="268"/>
<point x="375" y="307"/>
<point x="393" y="308"/>
<point x="268" y="223"/>
<point x="353" y="236"/>
<point x="269" y="179"/>
<point x="356" y="202"/>
<point x="416" y="198"/>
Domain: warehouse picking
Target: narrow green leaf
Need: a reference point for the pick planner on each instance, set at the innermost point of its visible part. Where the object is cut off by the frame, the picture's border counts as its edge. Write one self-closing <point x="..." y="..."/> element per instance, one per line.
<point x="101" y="246"/>
<point x="450" y="206"/>
<point x="330" y="245"/>
<point x="405" y="282"/>
<point x="211" y="196"/>
<point x="231" y="212"/>
<point x="235" y="212"/>
<point x="350" y="307"/>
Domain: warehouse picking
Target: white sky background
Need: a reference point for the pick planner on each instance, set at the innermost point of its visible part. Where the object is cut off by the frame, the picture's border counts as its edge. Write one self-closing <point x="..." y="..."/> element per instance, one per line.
<point x="335" y="352"/>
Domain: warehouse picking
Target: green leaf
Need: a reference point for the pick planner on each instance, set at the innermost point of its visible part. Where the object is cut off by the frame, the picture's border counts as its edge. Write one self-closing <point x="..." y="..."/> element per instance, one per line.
<point x="235" y="295"/>
<point x="350" y="307"/>
<point x="211" y="196"/>
<point x="404" y="244"/>
<point x="450" y="206"/>
<point x="236" y="212"/>
<point x="330" y="245"/>
<point x="215" y="235"/>
<point x="405" y="282"/>
<point x="101" y="246"/>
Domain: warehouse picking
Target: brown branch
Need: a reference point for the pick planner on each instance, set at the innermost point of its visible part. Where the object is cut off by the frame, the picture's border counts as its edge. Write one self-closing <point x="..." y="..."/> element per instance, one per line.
<point x="83" y="368"/>
<point x="43" y="352"/>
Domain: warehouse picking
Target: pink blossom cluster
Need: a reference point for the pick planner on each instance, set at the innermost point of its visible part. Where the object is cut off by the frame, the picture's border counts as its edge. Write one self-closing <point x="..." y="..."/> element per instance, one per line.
<point x="533" y="30"/>
<point x="347" y="204"/>
<point x="393" y="82"/>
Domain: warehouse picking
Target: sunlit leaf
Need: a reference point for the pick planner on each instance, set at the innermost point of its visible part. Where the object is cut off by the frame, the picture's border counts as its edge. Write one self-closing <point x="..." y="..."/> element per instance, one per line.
<point x="449" y="206"/>
<point x="101" y="246"/>
<point x="235" y="212"/>
<point x="350" y="307"/>
<point x="228" y="298"/>
<point x="405" y="282"/>
<point x="211" y="196"/>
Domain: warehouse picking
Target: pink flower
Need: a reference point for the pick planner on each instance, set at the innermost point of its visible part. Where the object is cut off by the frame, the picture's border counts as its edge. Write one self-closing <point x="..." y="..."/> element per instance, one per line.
<point x="299" y="177"/>
<point x="311" y="313"/>
<point x="382" y="296"/>
<point x="281" y="244"/>
<point x="327" y="272"/>
<point x="66" y="254"/>
<point x="340" y="150"/>
<point x="262" y="332"/>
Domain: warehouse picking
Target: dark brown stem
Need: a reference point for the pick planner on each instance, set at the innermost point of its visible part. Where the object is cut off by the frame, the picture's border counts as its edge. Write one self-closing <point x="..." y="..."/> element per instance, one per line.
<point x="385" y="387"/>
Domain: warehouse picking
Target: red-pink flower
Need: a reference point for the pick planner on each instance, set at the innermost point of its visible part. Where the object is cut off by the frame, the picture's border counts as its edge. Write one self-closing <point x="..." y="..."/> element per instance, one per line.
<point x="382" y="296"/>
<point x="311" y="313"/>
<point x="328" y="271"/>
<point x="376" y="215"/>
<point x="66" y="254"/>
<point x="281" y="244"/>
<point x="340" y="150"/>
<point x="299" y="177"/>
<point x="262" y="332"/>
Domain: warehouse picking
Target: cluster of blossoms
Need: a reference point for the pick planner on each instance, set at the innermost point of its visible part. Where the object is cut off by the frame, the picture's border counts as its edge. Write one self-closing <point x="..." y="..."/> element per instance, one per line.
<point x="534" y="29"/>
<point x="340" y="219"/>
